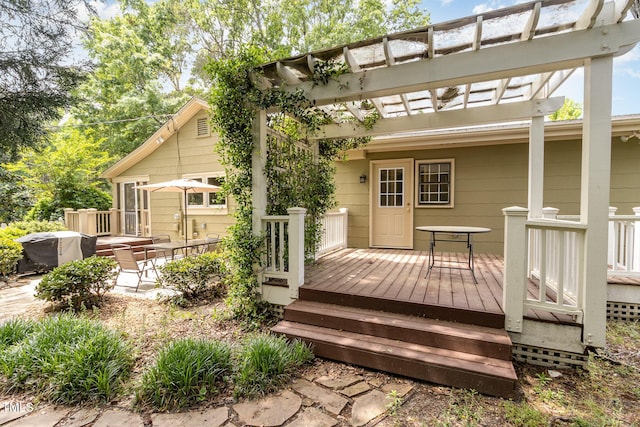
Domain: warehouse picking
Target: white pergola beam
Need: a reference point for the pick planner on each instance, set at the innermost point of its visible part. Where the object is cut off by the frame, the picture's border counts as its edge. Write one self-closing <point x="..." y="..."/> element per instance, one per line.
<point x="530" y="27"/>
<point x="446" y="119"/>
<point x="621" y="9"/>
<point x="353" y="65"/>
<point x="562" y="51"/>
<point x="500" y="90"/>
<point x="391" y="61"/>
<point x="286" y="74"/>
<point x="588" y="17"/>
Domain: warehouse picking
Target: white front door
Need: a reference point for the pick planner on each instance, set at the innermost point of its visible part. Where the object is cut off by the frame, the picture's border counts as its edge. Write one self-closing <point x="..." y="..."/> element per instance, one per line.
<point x="391" y="204"/>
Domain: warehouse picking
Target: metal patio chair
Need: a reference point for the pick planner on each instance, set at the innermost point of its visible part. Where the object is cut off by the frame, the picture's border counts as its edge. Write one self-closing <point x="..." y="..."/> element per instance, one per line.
<point x="127" y="262"/>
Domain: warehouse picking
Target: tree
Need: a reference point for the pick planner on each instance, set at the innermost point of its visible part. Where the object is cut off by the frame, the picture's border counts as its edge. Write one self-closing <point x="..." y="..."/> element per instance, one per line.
<point x="36" y="79"/>
<point x="142" y="56"/>
<point x="137" y="55"/>
<point x="65" y="174"/>
<point x="570" y="110"/>
<point x="15" y="197"/>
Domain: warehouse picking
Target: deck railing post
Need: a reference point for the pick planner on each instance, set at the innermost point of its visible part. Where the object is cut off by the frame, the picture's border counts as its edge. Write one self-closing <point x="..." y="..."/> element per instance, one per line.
<point x="296" y="250"/>
<point x="83" y="215"/>
<point x="636" y="241"/>
<point x="92" y="222"/>
<point x="114" y="223"/>
<point x="515" y="266"/>
<point x="68" y="219"/>
<point x="612" y="246"/>
<point x="345" y="227"/>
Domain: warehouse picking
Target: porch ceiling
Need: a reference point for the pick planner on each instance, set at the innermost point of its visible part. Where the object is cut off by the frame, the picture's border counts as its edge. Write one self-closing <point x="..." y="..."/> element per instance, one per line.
<point x="501" y="65"/>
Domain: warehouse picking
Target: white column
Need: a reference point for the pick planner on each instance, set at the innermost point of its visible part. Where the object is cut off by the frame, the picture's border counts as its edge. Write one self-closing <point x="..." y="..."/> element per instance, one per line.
<point x="594" y="199"/>
<point x="296" y="250"/>
<point x="514" y="284"/>
<point x="536" y="166"/>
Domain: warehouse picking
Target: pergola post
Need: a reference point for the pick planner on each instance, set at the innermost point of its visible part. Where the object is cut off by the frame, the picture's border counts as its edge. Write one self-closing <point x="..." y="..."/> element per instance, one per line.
<point x="594" y="198"/>
<point x="258" y="181"/>
<point x="536" y="167"/>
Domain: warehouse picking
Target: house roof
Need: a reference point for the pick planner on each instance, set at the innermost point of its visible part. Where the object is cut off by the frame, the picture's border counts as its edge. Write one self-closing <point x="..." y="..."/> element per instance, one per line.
<point x="159" y="137"/>
<point x="432" y="77"/>
<point x="496" y="134"/>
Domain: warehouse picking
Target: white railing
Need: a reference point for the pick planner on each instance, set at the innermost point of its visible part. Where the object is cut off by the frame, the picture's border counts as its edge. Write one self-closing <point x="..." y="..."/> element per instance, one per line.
<point x="284" y="251"/>
<point x="623" y="249"/>
<point x="556" y="256"/>
<point x="91" y="221"/>
<point x="624" y="244"/>
<point x="550" y="252"/>
<point x="334" y="232"/>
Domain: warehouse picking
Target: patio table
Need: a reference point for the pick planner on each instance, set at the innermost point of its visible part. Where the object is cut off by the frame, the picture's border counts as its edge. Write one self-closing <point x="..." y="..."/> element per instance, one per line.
<point x="177" y="246"/>
<point x="447" y="233"/>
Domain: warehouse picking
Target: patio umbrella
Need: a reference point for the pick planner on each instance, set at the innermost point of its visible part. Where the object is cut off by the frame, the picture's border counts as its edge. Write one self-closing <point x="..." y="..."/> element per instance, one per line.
<point x="181" y="186"/>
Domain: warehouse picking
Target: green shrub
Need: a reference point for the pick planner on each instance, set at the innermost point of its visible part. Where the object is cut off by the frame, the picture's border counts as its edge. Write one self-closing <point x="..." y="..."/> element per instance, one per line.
<point x="80" y="283"/>
<point x="10" y="254"/>
<point x="22" y="228"/>
<point x="195" y="276"/>
<point x="265" y="362"/>
<point x="64" y="359"/>
<point x="186" y="372"/>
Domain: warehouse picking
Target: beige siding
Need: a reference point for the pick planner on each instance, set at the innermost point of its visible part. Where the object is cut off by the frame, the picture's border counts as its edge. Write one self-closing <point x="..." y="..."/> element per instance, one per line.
<point x="488" y="179"/>
<point x="182" y="154"/>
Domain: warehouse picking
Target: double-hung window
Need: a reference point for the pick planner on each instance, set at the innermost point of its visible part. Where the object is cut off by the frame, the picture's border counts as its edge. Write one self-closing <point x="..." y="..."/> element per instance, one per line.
<point x="434" y="183"/>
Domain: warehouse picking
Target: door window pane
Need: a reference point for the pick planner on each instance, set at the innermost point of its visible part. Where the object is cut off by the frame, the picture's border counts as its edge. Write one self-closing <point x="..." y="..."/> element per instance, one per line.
<point x="391" y="187"/>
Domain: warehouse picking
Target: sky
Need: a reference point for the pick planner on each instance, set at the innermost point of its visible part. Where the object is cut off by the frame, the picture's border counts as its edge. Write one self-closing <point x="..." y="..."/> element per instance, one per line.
<point x="626" y="69"/>
<point x="626" y="72"/>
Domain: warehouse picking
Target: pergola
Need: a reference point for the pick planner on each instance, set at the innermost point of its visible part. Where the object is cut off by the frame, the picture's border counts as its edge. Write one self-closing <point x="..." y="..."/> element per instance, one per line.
<point x="499" y="66"/>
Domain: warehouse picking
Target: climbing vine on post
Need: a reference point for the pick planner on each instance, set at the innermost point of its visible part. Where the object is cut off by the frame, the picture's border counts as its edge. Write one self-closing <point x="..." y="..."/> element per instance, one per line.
<point x="298" y="172"/>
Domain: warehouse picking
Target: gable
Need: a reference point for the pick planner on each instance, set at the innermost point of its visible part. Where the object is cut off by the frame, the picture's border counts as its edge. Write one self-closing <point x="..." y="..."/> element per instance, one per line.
<point x="189" y="123"/>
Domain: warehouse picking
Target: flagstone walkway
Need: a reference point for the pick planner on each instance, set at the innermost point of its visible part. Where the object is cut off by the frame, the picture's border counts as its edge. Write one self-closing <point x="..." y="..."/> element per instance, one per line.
<point x="360" y="398"/>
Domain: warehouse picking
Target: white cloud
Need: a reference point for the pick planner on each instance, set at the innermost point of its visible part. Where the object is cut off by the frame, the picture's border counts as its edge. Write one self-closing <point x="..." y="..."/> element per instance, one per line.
<point x="445" y="3"/>
<point x="632" y="72"/>
<point x="481" y="8"/>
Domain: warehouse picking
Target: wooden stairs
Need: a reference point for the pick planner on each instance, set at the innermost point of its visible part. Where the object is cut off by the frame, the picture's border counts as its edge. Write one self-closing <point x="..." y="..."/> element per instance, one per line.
<point x="103" y="245"/>
<point x="463" y="350"/>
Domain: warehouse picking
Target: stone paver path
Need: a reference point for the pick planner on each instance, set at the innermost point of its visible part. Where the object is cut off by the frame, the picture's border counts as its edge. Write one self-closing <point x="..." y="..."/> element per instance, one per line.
<point x="304" y="403"/>
<point x="340" y="398"/>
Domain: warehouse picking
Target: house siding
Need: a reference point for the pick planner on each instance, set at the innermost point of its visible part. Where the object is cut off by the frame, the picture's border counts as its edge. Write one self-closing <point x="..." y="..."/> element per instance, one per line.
<point x="488" y="179"/>
<point x="182" y="154"/>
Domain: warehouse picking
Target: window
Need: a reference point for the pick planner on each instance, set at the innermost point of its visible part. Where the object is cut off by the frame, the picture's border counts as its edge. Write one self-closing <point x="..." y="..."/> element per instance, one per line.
<point x="208" y="200"/>
<point x="202" y="127"/>
<point x="434" y="180"/>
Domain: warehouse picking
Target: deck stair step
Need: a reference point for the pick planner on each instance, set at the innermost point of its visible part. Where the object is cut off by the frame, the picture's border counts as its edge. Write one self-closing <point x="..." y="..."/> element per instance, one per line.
<point x="442" y="352"/>
<point x="473" y="339"/>
<point x="452" y="314"/>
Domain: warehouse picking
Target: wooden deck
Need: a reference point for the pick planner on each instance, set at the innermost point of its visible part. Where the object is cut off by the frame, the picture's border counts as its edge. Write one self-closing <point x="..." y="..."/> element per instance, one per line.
<point x="401" y="275"/>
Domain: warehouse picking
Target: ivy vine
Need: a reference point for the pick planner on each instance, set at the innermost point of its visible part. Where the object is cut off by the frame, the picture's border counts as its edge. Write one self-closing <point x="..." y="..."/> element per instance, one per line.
<point x="297" y="173"/>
